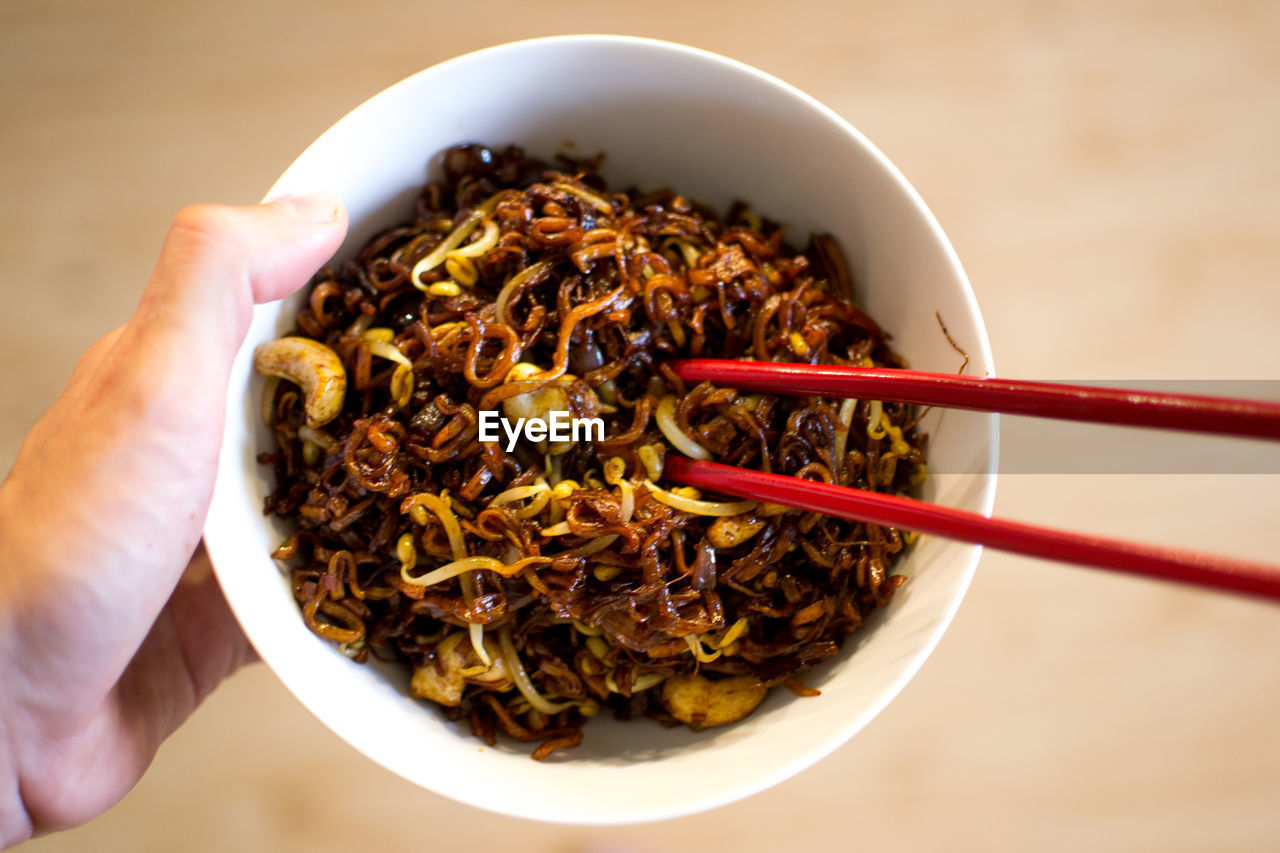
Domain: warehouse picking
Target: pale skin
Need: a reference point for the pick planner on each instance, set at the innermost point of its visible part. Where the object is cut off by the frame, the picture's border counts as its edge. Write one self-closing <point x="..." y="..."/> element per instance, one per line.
<point x="112" y="627"/>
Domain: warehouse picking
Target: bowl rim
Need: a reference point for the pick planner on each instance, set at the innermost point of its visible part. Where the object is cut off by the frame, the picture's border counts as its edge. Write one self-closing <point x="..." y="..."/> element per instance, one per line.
<point x="293" y="680"/>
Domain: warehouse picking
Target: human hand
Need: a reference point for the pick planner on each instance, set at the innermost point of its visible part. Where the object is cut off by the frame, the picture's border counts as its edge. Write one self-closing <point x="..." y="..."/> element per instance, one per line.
<point x="112" y="628"/>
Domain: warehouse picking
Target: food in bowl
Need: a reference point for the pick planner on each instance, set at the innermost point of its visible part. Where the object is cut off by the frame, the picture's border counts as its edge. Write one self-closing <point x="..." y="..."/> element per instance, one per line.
<point x="530" y="584"/>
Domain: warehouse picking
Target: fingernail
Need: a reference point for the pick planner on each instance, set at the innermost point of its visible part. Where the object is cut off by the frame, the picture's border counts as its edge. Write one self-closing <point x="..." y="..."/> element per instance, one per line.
<point x="317" y="207"/>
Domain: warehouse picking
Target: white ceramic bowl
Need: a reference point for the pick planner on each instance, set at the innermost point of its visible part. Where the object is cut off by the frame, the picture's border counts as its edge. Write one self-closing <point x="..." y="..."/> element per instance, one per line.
<point x="716" y="130"/>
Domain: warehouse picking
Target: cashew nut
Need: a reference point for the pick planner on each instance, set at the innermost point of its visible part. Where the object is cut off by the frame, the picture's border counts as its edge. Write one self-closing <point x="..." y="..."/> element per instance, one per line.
<point x="702" y="703"/>
<point x="312" y="366"/>
<point x="538" y="404"/>
<point x="459" y="666"/>
<point x="730" y="530"/>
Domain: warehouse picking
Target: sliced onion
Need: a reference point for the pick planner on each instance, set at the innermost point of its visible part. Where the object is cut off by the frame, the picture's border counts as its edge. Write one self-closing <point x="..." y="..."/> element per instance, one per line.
<point x="486" y="241"/>
<point x="703" y="656"/>
<point x="269" y="400"/>
<point x="516" y="281"/>
<point x="614" y="471"/>
<point x="515" y="668"/>
<point x="539" y="491"/>
<point x="402" y="385"/>
<point x="360" y="323"/>
<point x="595" y="546"/>
<point x="379" y="343"/>
<point x="736" y="630"/>
<point x="875" y="411"/>
<point x="317" y="437"/>
<point x="476" y="632"/>
<point x="666" y="418"/>
<point x="552" y="465"/>
<point x="450" y="570"/>
<point x="847" y="408"/>
<point x="641" y="682"/>
<point x="439" y="504"/>
<point x="646" y="680"/>
<point x="586" y="195"/>
<point x="454" y="239"/>
<point x="437" y="255"/>
<point x="698" y="507"/>
<point x="628" y="503"/>
<point x="687" y="250"/>
<point x="471" y="564"/>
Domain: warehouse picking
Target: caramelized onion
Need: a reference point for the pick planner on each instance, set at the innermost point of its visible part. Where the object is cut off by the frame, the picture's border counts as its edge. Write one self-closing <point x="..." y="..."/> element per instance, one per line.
<point x="578" y="580"/>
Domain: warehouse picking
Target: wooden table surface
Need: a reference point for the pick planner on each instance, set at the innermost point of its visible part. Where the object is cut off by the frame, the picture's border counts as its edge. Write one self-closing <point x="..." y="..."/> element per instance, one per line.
<point x="1109" y="176"/>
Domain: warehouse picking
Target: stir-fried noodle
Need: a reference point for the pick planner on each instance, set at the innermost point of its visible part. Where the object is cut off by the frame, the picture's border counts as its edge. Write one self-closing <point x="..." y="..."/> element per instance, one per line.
<point x="529" y="589"/>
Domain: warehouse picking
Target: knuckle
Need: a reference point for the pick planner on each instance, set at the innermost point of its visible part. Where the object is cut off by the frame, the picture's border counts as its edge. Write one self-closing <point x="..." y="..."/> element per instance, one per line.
<point x="203" y="225"/>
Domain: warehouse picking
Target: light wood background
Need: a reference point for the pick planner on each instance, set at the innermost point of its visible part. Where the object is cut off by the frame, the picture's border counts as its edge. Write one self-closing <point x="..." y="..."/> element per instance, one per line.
<point x="1108" y="173"/>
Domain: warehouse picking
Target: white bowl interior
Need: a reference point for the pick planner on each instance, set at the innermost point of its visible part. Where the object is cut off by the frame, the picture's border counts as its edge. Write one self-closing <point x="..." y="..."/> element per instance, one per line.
<point x="714" y="130"/>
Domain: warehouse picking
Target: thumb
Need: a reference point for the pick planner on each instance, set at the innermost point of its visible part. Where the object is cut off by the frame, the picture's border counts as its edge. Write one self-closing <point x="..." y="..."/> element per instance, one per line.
<point x="104" y="505"/>
<point x="217" y="261"/>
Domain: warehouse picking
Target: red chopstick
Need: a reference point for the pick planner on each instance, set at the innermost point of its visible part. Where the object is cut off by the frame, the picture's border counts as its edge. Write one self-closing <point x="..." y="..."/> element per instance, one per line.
<point x="1226" y="416"/>
<point x="1190" y="567"/>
